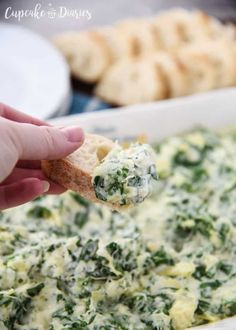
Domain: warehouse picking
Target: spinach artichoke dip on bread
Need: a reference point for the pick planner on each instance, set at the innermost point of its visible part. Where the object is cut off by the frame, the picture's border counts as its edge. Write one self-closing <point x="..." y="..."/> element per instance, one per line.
<point x="167" y="264"/>
<point x="126" y="176"/>
<point x="104" y="171"/>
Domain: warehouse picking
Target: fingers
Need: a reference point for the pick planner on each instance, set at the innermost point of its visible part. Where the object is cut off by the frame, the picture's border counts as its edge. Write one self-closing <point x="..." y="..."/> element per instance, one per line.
<point x="31" y="164"/>
<point x="14" y="115"/>
<point x="21" y="192"/>
<point x="18" y="174"/>
<point x="42" y="142"/>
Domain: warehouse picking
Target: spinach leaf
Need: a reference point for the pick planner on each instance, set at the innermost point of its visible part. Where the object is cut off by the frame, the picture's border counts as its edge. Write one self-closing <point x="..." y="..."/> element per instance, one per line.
<point x="20" y="306"/>
<point x="123" y="260"/>
<point x="80" y="200"/>
<point x="158" y="258"/>
<point x="34" y="291"/>
<point x="228" y="308"/>
<point x="89" y="250"/>
<point x="39" y="212"/>
<point x="81" y="218"/>
<point x="203" y="306"/>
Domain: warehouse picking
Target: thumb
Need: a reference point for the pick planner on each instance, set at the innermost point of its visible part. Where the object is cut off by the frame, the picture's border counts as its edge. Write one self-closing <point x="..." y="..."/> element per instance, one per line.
<point x="44" y="142"/>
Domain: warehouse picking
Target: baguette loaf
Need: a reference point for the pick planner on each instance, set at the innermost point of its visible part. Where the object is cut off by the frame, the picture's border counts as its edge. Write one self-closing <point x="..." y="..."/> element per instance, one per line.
<point x="75" y="171"/>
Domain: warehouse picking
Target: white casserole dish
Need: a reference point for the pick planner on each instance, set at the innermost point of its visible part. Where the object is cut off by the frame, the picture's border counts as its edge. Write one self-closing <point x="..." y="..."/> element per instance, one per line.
<point x="159" y="120"/>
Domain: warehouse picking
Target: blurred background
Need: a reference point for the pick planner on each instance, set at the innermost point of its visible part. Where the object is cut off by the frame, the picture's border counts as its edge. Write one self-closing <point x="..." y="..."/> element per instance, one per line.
<point x="107" y="12"/>
<point x="33" y="77"/>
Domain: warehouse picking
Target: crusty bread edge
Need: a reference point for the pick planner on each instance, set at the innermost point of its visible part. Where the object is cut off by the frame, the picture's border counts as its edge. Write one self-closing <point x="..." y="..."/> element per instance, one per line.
<point x="69" y="176"/>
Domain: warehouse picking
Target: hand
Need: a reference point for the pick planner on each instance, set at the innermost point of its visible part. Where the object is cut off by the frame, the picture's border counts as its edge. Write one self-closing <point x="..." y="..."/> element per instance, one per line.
<point x="24" y="142"/>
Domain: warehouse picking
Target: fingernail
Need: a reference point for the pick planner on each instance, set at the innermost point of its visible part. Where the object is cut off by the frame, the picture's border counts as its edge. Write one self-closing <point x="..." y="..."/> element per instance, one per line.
<point x="46" y="186"/>
<point x="73" y="133"/>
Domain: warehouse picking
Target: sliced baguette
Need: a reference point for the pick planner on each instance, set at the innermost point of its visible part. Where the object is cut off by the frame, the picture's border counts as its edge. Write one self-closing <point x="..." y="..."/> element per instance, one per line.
<point x="75" y="171"/>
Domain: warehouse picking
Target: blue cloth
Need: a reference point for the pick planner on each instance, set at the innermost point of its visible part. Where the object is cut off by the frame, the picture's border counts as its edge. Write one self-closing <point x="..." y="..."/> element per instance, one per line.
<point x="85" y="103"/>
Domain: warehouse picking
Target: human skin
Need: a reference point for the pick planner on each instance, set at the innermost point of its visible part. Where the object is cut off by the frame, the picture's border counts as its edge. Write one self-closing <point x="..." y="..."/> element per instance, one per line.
<point x="24" y="142"/>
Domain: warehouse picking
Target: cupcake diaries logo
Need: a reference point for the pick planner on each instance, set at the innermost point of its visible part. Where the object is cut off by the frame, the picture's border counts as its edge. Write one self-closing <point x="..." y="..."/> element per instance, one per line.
<point x="51" y="12"/>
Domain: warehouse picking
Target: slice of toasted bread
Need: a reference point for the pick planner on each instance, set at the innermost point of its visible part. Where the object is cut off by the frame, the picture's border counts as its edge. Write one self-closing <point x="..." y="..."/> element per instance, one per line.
<point x="75" y="171"/>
